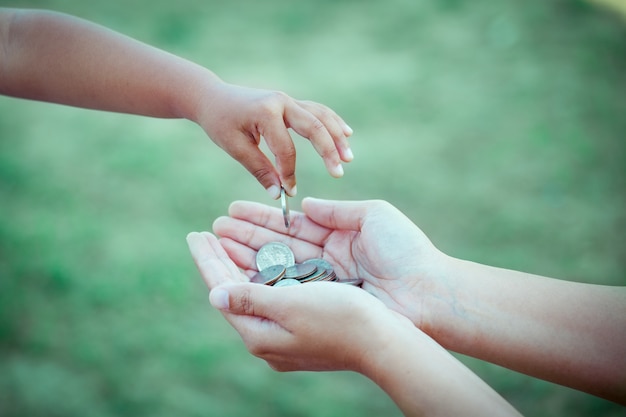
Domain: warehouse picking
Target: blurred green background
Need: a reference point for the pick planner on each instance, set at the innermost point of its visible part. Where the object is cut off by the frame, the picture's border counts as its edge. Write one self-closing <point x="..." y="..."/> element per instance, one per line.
<point x="497" y="126"/>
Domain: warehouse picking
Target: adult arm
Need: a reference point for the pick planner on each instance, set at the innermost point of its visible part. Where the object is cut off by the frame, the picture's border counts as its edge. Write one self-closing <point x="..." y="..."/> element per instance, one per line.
<point x="569" y="333"/>
<point x="330" y="326"/>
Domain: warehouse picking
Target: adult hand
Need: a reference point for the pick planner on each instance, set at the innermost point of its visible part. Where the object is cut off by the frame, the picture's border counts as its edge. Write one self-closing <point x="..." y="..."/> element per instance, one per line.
<point x="237" y="117"/>
<point x="314" y="326"/>
<point x="321" y="326"/>
<point x="466" y="307"/>
<point x="371" y="240"/>
<point x="325" y="326"/>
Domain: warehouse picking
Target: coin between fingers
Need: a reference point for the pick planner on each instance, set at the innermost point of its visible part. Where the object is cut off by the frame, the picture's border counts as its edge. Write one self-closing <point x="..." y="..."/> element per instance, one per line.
<point x="285" y="206"/>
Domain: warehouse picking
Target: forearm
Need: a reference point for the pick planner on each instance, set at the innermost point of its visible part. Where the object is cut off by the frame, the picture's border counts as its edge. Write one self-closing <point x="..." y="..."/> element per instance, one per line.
<point x="53" y="57"/>
<point x="569" y="333"/>
<point x="423" y="379"/>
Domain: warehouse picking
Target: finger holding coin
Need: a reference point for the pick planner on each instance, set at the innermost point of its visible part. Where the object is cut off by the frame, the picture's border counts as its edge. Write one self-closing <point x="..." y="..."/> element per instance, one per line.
<point x="280" y="144"/>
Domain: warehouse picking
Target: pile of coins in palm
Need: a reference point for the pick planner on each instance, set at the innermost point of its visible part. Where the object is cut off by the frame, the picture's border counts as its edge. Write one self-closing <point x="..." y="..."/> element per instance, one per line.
<point x="277" y="267"/>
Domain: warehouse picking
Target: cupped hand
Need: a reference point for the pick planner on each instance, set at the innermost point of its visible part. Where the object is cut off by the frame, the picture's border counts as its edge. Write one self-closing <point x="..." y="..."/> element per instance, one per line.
<point x="237" y="117"/>
<point x="314" y="326"/>
<point x="320" y="326"/>
<point x="371" y="240"/>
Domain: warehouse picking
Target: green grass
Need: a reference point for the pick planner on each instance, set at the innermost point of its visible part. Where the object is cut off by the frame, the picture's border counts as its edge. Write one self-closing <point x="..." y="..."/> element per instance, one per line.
<point x="498" y="127"/>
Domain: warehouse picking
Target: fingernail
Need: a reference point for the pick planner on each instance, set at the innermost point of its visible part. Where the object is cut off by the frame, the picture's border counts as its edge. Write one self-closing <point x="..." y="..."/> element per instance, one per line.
<point x="219" y="299"/>
<point x="293" y="191"/>
<point x="337" y="171"/>
<point x="348" y="130"/>
<point x="348" y="154"/>
<point x="273" y="191"/>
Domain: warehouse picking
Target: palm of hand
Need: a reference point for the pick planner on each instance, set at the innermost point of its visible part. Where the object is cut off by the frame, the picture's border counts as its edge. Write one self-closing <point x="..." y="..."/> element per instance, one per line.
<point x="379" y="245"/>
<point x="390" y="254"/>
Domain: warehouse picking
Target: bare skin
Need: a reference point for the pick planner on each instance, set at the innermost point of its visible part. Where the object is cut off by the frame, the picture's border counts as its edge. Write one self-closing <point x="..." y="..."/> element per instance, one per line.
<point x="351" y="330"/>
<point x="569" y="333"/>
<point x="62" y="59"/>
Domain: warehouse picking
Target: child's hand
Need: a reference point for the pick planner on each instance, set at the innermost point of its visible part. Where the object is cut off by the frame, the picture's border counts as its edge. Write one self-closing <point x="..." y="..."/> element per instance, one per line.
<point x="237" y="117"/>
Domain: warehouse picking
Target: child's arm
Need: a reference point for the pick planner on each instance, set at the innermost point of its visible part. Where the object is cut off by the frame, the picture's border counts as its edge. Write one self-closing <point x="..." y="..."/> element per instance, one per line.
<point x="58" y="58"/>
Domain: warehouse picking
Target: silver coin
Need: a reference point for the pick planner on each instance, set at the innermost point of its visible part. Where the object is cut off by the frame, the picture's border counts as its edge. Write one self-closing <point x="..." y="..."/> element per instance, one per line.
<point x="328" y="276"/>
<point x="319" y="262"/>
<point x="357" y="282"/>
<point x="285" y="206"/>
<point x="274" y="253"/>
<point x="314" y="277"/>
<point x="269" y="275"/>
<point x="287" y="282"/>
<point x="300" y="271"/>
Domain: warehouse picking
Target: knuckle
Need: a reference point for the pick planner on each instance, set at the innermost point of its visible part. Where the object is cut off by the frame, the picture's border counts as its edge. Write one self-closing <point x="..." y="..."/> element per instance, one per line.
<point x="280" y="96"/>
<point x="286" y="153"/>
<point x="245" y="303"/>
<point x="239" y="149"/>
<point x="273" y="104"/>
<point x="263" y="174"/>
<point x="324" y="113"/>
<point x="317" y="126"/>
<point x="329" y="153"/>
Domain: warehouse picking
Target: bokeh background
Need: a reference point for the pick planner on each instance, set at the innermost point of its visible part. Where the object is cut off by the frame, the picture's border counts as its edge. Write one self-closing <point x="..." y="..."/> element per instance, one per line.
<point x="497" y="126"/>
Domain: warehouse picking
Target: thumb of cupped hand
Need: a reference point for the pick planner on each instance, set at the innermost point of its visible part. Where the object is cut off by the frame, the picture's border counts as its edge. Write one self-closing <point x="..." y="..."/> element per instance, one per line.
<point x="219" y="298"/>
<point x="240" y="298"/>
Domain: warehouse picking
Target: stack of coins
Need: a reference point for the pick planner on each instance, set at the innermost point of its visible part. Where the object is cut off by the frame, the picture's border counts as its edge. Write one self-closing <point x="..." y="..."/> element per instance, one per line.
<point x="277" y="267"/>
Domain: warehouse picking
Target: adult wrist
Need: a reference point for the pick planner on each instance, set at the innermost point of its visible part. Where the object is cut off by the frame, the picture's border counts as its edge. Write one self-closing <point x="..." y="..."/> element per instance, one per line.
<point x="445" y="300"/>
<point x="385" y="347"/>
